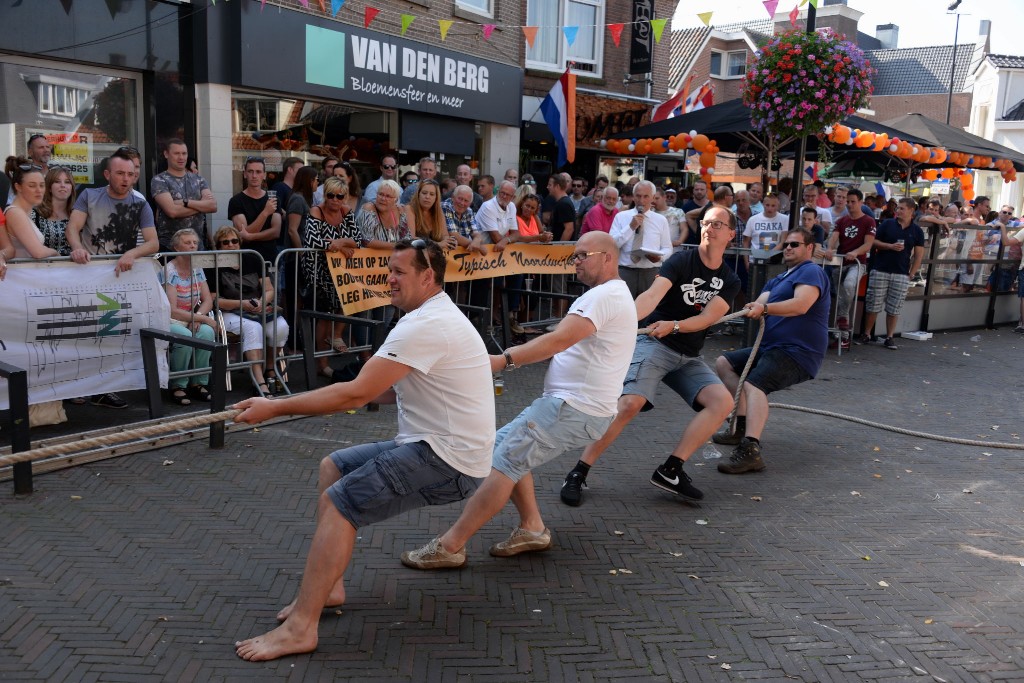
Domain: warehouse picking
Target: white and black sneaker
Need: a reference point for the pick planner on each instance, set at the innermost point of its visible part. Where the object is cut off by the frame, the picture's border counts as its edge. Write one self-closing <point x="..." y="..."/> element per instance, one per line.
<point x="672" y="478"/>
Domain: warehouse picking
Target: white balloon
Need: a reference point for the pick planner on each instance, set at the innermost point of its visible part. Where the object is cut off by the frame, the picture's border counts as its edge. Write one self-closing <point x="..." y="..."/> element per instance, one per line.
<point x="632" y="147"/>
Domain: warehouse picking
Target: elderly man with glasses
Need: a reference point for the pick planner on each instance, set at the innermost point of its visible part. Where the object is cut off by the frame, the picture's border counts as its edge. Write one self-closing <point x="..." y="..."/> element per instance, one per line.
<point x="693" y="289"/>
<point x="795" y="305"/>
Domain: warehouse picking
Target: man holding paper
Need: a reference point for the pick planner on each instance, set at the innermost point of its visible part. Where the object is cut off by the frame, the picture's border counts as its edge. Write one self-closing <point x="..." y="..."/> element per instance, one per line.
<point x="643" y="238"/>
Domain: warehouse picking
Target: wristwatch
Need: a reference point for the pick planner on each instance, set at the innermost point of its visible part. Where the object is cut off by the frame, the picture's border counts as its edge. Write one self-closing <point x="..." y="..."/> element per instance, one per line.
<point x="509" y="363"/>
<point x="184" y="202"/>
<point x="675" y="327"/>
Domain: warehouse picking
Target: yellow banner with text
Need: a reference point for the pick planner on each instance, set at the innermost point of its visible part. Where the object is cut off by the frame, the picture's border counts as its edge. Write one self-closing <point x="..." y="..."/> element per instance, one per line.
<point x="362" y="279"/>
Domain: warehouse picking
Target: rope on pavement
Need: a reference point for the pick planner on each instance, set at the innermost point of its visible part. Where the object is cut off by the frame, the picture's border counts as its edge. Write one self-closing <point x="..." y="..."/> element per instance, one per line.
<point x="119" y="438"/>
<point x="899" y="430"/>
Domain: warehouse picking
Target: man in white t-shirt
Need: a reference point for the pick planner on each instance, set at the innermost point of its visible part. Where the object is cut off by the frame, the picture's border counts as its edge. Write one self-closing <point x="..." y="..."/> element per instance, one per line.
<point x="765" y="230"/>
<point x="1016" y="239"/>
<point x="590" y="352"/>
<point x="435" y="366"/>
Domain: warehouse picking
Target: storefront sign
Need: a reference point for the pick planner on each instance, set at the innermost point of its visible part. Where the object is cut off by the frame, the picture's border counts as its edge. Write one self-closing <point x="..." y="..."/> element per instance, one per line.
<point x="362" y="280"/>
<point x="640" y="48"/>
<point x="342" y="62"/>
<point x="594" y="122"/>
<point x="70" y="150"/>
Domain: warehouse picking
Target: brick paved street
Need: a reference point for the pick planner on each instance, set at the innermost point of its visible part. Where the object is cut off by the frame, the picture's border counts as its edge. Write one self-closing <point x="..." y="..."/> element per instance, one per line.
<point x="858" y="555"/>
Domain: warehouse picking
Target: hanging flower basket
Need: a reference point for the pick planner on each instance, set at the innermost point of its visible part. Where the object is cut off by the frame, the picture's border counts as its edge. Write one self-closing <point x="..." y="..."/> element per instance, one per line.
<point x="801" y="83"/>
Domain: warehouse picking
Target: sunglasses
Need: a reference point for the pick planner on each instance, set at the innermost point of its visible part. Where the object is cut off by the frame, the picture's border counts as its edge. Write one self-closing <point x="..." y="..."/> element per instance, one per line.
<point x="234" y="240"/>
<point x="128" y="150"/>
<point x="529" y="182"/>
<point x="259" y="159"/>
<point x="792" y="245"/>
<point x="35" y="136"/>
<point x="333" y="195"/>
<point x="25" y="168"/>
<point x="389" y="167"/>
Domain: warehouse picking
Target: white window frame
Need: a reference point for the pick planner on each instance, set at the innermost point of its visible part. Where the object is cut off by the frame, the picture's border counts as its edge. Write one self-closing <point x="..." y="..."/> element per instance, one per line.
<point x="726" y="56"/>
<point x="45" y="97"/>
<point x="743" y="63"/>
<point x="468" y="6"/>
<point x="559" y="65"/>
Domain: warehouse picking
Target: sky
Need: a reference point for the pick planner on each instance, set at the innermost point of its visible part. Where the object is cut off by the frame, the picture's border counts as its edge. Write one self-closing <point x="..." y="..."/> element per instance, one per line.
<point x="922" y="22"/>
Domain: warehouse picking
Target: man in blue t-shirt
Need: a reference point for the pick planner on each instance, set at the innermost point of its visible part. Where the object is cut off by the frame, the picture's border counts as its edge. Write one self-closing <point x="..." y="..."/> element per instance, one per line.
<point x="792" y="349"/>
<point x="897" y="240"/>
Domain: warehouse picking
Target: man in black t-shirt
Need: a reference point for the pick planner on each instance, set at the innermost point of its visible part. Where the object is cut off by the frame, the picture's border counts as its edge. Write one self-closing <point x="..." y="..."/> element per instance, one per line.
<point x="254" y="214"/>
<point x="693" y="290"/>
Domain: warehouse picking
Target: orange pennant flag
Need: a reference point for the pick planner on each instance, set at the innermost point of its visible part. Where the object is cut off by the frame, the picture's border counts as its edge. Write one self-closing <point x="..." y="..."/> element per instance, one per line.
<point x="531" y="34"/>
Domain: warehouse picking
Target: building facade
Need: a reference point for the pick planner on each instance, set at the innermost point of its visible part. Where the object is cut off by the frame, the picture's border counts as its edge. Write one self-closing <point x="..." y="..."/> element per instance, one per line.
<point x="272" y="80"/>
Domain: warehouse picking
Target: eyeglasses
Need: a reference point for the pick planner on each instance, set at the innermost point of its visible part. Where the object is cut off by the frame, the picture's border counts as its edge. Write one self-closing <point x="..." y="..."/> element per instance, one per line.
<point x="715" y="225"/>
<point x="234" y="240"/>
<point x="1008" y="213"/>
<point x="792" y="245"/>
<point x="334" y="195"/>
<point x="390" y="167"/>
<point x="581" y="256"/>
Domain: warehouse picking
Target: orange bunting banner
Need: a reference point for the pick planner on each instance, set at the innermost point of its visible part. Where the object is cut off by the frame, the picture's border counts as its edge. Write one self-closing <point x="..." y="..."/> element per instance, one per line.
<point x="530" y="33"/>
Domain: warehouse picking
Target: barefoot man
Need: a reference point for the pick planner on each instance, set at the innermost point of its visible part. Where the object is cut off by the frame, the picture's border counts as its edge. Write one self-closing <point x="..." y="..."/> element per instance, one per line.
<point x="435" y="366"/>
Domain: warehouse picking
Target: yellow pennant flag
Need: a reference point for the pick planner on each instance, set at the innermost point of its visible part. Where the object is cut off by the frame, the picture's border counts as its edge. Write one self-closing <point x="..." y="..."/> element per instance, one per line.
<point x="658" y="25"/>
<point x="705" y="17"/>
<point x="816" y="3"/>
<point x="445" y="24"/>
<point x="407" y="20"/>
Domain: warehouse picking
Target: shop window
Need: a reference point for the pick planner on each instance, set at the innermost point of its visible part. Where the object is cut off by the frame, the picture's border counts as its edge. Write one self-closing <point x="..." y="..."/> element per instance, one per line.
<point x="729" y="64"/>
<point x="550" y="51"/>
<point x="478" y="6"/>
<point x="85" y="115"/>
<point x="254" y="115"/>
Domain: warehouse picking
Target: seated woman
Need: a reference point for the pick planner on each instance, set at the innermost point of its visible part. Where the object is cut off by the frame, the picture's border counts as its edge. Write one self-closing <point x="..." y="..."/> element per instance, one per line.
<point x="423" y="215"/>
<point x="191" y="303"/>
<point x="331" y="227"/>
<point x="245" y="297"/>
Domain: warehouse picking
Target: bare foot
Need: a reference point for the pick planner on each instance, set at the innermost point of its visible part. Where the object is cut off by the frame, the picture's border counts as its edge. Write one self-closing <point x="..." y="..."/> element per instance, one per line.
<point x="334" y="600"/>
<point x="280" y="642"/>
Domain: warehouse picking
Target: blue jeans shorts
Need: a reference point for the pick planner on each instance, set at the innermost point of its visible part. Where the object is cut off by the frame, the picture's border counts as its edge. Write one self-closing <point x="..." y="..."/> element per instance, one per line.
<point x="547" y="428"/>
<point x="381" y="480"/>
<point x="773" y="369"/>
<point x="654" y="363"/>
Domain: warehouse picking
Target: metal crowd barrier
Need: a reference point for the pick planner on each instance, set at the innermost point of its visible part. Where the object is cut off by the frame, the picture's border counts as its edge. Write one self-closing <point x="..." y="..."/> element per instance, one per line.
<point x="17" y="400"/>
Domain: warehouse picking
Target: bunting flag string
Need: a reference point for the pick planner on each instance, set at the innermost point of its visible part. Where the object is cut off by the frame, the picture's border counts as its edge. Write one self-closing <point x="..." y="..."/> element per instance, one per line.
<point x="529" y="32"/>
<point x="705" y="17"/>
<point x="771" y="6"/>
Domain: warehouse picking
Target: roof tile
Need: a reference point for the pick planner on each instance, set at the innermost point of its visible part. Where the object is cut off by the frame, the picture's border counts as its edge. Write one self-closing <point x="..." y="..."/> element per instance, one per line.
<point x="919" y="70"/>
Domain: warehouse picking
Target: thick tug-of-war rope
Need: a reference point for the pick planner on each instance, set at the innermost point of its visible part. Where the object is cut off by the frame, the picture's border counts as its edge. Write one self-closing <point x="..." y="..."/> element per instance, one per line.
<point x="119" y="438"/>
<point x="202" y="420"/>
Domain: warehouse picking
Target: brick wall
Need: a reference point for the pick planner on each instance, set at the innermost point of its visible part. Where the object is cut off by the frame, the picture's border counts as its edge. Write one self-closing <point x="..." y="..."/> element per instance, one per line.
<point x="616" y="59"/>
<point x="466" y="35"/>
<point x="725" y="88"/>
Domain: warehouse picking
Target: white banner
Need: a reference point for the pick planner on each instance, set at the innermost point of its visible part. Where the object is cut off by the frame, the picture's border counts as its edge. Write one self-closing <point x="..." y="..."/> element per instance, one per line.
<point x="75" y="328"/>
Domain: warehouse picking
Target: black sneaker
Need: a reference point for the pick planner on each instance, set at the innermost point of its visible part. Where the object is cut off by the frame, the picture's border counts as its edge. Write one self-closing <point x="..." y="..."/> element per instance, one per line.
<point x="110" y="400"/>
<point x="745" y="458"/>
<point x="572" y="488"/>
<point x="724" y="437"/>
<point x="890" y="344"/>
<point x="675" y="480"/>
<point x="864" y="339"/>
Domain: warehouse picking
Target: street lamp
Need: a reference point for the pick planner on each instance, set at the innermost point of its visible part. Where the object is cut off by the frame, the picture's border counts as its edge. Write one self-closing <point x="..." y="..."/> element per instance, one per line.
<point x="952" y="69"/>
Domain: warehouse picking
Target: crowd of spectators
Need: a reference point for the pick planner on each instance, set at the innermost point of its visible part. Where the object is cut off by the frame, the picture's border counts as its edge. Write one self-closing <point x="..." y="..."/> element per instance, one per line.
<point x="326" y="209"/>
